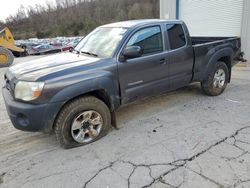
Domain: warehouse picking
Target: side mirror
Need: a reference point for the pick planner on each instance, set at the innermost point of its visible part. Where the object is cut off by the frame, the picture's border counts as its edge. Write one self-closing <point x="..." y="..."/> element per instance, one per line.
<point x="132" y="52"/>
<point x="71" y="49"/>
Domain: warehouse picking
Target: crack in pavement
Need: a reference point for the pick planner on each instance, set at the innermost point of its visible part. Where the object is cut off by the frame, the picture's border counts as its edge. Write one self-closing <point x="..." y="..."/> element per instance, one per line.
<point x="234" y="158"/>
<point x="173" y="186"/>
<point x="239" y="182"/>
<point x="197" y="155"/>
<point x="99" y="171"/>
<point x="206" y="178"/>
<point x="175" y="164"/>
<point x="234" y="144"/>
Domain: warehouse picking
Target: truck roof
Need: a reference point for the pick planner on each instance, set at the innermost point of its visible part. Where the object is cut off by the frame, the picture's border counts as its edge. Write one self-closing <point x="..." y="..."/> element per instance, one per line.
<point x="140" y="22"/>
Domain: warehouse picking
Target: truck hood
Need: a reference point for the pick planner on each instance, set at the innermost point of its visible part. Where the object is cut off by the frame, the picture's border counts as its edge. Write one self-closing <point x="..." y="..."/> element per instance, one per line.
<point x="40" y="68"/>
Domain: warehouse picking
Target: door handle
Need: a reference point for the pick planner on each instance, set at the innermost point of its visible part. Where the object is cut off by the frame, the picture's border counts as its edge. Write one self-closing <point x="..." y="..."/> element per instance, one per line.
<point x="163" y="61"/>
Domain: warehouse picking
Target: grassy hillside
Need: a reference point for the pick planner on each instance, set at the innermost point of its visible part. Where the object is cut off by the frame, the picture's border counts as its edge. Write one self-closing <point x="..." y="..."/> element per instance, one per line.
<point x="76" y="17"/>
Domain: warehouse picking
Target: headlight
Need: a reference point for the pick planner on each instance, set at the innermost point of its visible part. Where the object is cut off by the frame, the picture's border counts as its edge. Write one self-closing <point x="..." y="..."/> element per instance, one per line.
<point x="28" y="91"/>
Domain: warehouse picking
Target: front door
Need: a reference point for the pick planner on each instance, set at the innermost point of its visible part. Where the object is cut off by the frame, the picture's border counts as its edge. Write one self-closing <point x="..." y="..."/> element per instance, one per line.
<point x="146" y="75"/>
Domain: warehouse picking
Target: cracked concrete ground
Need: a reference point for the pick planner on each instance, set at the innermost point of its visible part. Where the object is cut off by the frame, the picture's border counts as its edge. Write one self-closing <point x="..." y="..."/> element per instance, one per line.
<point x="179" y="139"/>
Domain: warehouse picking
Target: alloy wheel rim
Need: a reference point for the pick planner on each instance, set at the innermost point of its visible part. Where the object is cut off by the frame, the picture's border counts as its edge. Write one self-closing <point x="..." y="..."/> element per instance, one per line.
<point x="86" y="126"/>
<point x="219" y="78"/>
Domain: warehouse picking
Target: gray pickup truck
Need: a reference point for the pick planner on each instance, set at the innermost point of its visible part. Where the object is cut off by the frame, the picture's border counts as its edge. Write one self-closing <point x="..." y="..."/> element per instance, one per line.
<point x="77" y="93"/>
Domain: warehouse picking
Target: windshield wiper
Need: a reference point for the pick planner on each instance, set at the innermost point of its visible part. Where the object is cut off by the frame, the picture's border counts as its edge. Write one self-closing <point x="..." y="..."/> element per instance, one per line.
<point x="74" y="50"/>
<point x="89" y="53"/>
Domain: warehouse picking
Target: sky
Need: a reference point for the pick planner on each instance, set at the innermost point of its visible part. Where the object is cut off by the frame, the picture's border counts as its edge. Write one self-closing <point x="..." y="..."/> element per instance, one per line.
<point x="10" y="7"/>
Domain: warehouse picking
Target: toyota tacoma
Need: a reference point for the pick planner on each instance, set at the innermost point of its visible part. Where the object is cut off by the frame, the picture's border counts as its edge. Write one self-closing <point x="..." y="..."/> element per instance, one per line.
<point x="76" y="93"/>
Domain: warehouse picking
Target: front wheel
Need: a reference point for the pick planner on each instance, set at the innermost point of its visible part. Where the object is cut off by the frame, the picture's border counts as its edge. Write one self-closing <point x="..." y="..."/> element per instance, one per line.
<point x="6" y="57"/>
<point x="217" y="80"/>
<point x="82" y="121"/>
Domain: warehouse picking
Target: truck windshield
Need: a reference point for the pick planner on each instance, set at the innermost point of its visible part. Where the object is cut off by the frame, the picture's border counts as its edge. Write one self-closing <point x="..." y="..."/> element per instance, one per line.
<point x="101" y="42"/>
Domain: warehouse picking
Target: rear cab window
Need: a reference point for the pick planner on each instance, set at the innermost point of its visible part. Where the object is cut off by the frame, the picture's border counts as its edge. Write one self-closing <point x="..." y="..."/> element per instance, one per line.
<point x="176" y="36"/>
<point x="149" y="39"/>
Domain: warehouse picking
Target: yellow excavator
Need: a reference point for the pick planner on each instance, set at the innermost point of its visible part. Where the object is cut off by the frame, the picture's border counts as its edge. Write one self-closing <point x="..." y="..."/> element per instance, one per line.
<point x="7" y="46"/>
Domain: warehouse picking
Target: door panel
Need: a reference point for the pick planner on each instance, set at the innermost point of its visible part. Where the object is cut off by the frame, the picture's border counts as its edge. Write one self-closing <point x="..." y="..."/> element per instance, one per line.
<point x="181" y="56"/>
<point x="180" y="67"/>
<point x="146" y="75"/>
<point x="141" y="77"/>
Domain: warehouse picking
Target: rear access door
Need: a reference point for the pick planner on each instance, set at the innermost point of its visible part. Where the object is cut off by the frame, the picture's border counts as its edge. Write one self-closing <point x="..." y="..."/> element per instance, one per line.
<point x="180" y="54"/>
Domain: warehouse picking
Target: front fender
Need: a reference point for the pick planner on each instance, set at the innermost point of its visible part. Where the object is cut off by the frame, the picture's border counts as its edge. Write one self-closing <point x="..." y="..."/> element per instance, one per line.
<point x="103" y="82"/>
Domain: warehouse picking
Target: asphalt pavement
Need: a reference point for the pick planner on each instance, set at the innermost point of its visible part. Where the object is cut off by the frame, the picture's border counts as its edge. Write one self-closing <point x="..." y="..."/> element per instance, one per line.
<point x="180" y="139"/>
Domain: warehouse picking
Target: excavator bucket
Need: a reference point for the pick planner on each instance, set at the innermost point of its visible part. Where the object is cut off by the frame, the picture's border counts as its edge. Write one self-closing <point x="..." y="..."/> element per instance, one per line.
<point x="7" y="41"/>
<point x="7" y="35"/>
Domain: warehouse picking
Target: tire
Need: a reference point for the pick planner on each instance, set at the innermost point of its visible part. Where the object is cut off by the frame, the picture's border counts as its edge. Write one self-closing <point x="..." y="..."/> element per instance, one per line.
<point x="78" y="109"/>
<point x="6" y="57"/>
<point x="214" y="86"/>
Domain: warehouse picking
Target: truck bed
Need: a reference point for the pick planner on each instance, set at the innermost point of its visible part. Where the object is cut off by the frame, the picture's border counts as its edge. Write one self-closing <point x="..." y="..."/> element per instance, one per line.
<point x="205" y="47"/>
<point x="202" y="40"/>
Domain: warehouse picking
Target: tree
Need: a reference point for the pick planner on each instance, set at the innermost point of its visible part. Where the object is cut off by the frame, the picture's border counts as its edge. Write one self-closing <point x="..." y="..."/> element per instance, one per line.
<point x="76" y="17"/>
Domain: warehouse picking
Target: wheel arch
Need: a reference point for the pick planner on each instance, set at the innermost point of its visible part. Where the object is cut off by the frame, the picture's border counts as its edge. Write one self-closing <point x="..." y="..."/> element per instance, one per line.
<point x="101" y="94"/>
<point x="223" y="55"/>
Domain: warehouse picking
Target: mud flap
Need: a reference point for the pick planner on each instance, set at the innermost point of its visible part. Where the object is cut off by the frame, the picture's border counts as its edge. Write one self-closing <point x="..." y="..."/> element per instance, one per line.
<point x="113" y="120"/>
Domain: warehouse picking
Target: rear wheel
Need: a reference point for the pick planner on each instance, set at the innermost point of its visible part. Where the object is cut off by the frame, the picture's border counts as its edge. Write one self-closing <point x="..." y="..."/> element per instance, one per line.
<point x="82" y="121"/>
<point x="217" y="80"/>
<point x="6" y="57"/>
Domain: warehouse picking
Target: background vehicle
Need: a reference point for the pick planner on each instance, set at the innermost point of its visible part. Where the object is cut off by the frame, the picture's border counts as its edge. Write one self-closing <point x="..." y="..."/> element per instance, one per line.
<point x="48" y="49"/>
<point x="76" y="93"/>
<point x="7" y="46"/>
<point x="43" y="49"/>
